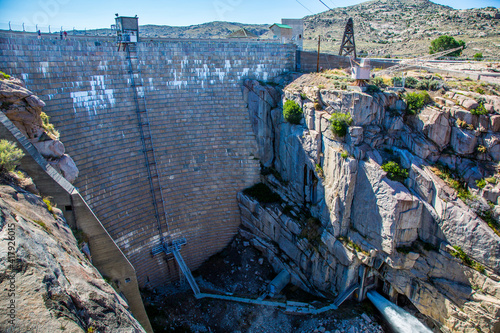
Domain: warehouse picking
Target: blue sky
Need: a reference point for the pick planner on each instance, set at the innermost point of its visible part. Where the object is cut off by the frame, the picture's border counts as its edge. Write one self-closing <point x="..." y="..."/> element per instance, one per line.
<point x="98" y="14"/>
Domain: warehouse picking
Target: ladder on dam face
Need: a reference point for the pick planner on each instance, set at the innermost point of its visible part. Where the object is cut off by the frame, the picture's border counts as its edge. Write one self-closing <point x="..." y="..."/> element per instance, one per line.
<point x="146" y="137"/>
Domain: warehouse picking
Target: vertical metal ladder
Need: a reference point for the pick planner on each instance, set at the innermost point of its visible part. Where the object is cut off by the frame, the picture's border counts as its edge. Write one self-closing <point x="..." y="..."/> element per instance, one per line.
<point x="146" y="137"/>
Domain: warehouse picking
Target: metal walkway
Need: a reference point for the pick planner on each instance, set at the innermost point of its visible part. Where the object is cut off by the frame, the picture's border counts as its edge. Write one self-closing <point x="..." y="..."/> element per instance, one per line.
<point x="345" y="295"/>
<point x="187" y="272"/>
<point x="146" y="137"/>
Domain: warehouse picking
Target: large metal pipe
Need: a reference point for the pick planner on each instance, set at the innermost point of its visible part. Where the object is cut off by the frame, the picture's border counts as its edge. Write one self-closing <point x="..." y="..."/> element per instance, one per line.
<point x="399" y="320"/>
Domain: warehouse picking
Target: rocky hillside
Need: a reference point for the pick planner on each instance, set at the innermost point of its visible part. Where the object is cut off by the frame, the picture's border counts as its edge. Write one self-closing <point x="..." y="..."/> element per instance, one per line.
<point x="46" y="283"/>
<point x="406" y="201"/>
<point x="206" y="30"/>
<point x="405" y="27"/>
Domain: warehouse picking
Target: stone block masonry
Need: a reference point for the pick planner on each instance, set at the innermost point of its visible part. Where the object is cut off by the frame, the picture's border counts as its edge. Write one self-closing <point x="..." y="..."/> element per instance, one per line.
<point x="204" y="144"/>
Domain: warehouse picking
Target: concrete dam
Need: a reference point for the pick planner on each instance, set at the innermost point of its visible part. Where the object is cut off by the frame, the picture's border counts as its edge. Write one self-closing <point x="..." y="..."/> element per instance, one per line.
<point x="198" y="134"/>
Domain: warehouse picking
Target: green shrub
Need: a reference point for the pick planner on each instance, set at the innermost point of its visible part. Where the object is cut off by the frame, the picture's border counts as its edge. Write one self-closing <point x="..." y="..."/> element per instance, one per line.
<point x="491" y="180"/>
<point x="487" y="216"/>
<point x="481" y="183"/>
<point x="478" y="56"/>
<point x="319" y="171"/>
<point x="344" y="154"/>
<point x="397" y="81"/>
<point x="415" y="101"/>
<point x="479" y="90"/>
<point x="50" y="206"/>
<point x="292" y="112"/>
<point x="4" y="76"/>
<point x="428" y="85"/>
<point x="411" y="82"/>
<point x="303" y="96"/>
<point x="445" y="42"/>
<point x="482" y="149"/>
<point x="47" y="126"/>
<point x="372" y="89"/>
<point x="378" y="81"/>
<point x="434" y="85"/>
<point x="395" y="171"/>
<point x="479" y="110"/>
<point x="10" y="156"/>
<point x="262" y="193"/>
<point x="339" y="122"/>
<point x="41" y="224"/>
<point x="452" y="180"/>
<point x="457" y="252"/>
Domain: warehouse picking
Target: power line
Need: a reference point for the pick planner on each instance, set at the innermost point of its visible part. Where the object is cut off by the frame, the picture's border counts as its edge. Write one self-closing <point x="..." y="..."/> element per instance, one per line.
<point x="325" y="5"/>
<point x="305" y="7"/>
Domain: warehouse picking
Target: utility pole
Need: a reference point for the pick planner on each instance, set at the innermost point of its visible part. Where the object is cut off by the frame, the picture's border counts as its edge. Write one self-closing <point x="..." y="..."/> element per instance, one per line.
<point x="317" y="62"/>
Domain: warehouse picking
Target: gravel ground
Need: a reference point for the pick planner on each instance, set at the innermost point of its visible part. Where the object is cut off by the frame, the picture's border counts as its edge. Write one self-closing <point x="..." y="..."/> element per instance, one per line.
<point x="239" y="269"/>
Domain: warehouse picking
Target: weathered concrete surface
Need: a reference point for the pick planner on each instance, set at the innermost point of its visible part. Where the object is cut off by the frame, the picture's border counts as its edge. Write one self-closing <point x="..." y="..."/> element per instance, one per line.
<point x="204" y="144"/>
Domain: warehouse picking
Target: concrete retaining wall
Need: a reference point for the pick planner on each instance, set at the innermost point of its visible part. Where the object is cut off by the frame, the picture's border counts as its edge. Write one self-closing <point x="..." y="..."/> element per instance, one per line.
<point x="308" y="61"/>
<point x="106" y="256"/>
<point x="204" y="143"/>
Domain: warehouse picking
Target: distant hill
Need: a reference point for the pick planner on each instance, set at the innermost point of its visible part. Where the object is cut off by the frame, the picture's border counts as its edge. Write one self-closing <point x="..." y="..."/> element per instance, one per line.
<point x="382" y="28"/>
<point x="216" y="29"/>
<point x="405" y="27"/>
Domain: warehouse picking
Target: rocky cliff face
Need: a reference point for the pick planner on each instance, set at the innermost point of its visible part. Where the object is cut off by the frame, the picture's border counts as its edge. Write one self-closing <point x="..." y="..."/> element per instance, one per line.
<point x="24" y="109"/>
<point x="46" y="283"/>
<point x="419" y="239"/>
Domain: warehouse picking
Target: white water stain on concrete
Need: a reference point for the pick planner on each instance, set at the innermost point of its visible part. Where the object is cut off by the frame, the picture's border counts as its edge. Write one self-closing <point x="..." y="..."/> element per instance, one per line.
<point x="44" y="65"/>
<point x="178" y="83"/>
<point x="97" y="98"/>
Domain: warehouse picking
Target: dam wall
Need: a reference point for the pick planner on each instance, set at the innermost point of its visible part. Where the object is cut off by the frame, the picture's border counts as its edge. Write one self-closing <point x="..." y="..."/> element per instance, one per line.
<point x="204" y="145"/>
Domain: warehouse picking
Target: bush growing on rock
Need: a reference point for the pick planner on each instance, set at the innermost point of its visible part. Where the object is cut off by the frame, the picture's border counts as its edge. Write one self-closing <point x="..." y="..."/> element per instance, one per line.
<point x="10" y="156"/>
<point x="428" y="85"/>
<point x="479" y="110"/>
<point x="339" y="122"/>
<point x="415" y="101"/>
<point x="478" y="56"/>
<point x="395" y="171"/>
<point x="411" y="82"/>
<point x="379" y="82"/>
<point x="48" y="127"/>
<point x="372" y="89"/>
<point x="292" y="112"/>
<point x="4" y="76"/>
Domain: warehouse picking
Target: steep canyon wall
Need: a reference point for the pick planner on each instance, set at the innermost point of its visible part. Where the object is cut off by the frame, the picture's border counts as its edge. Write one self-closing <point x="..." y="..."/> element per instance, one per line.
<point x="205" y="148"/>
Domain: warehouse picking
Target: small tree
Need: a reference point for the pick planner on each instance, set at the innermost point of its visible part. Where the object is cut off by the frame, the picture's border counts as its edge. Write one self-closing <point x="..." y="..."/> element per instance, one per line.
<point x="478" y="56"/>
<point x="395" y="171"/>
<point x="292" y="112"/>
<point x="339" y="123"/>
<point x="10" y="156"/>
<point x="445" y="42"/>
<point x="415" y="101"/>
